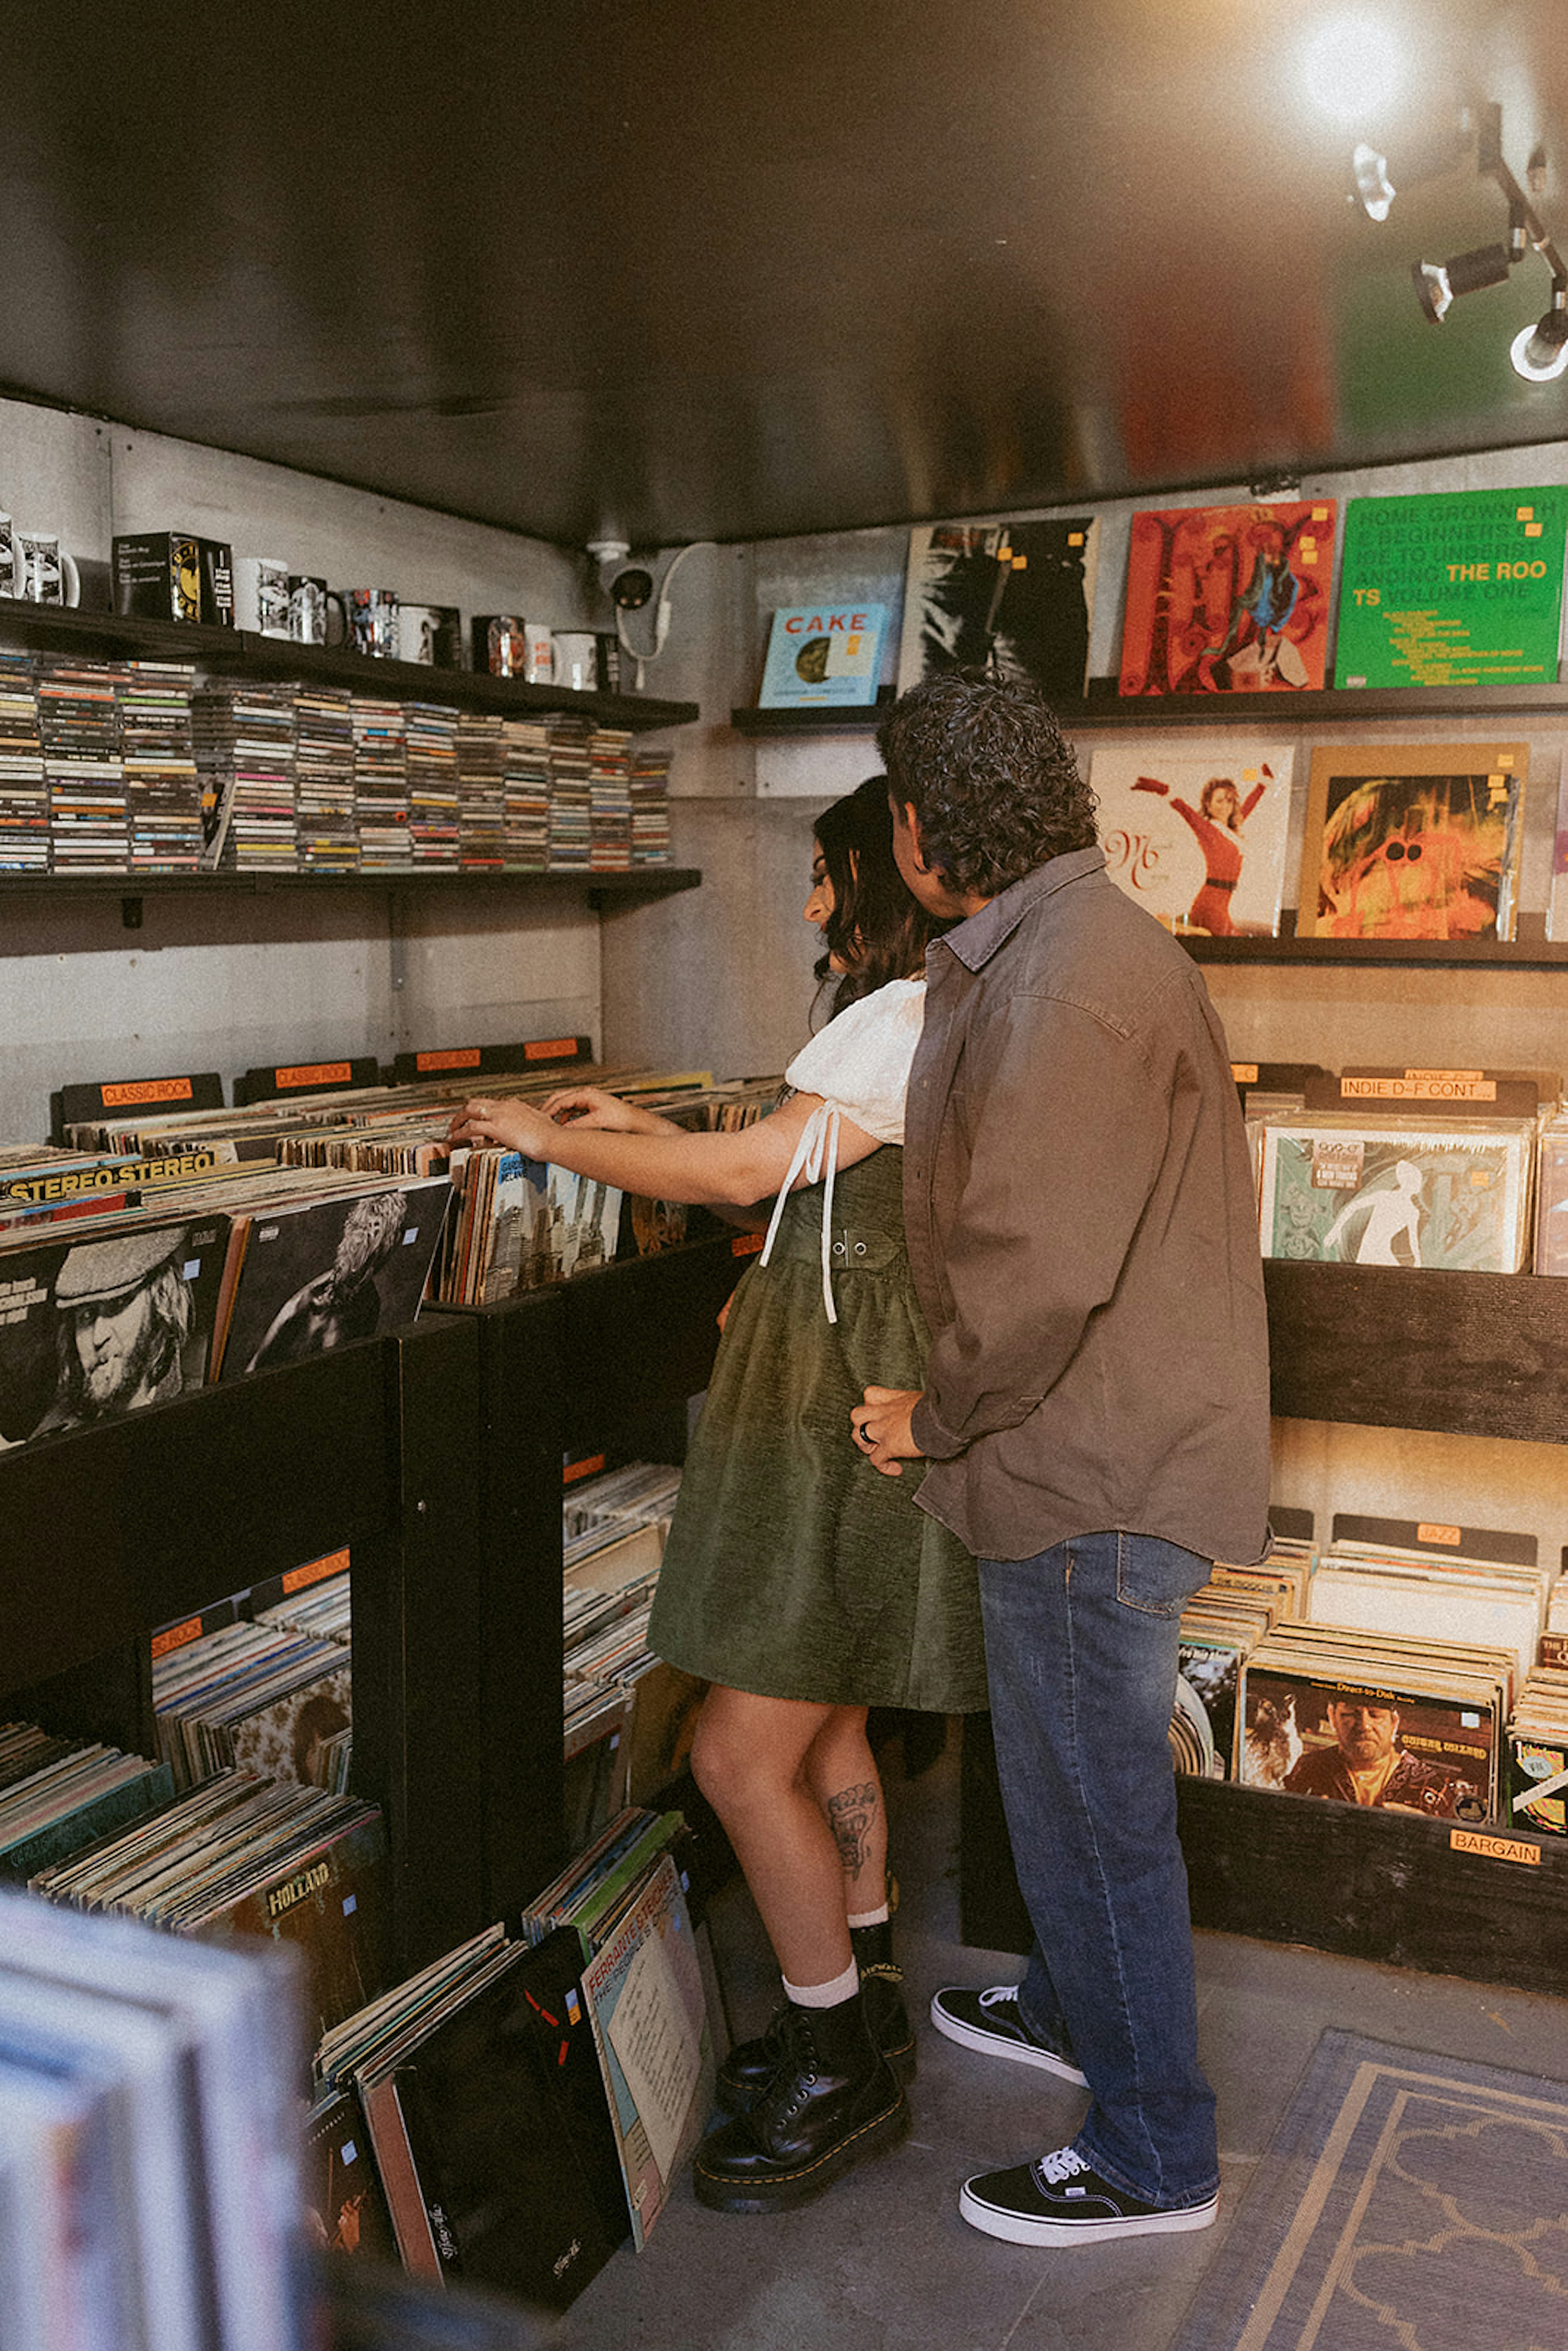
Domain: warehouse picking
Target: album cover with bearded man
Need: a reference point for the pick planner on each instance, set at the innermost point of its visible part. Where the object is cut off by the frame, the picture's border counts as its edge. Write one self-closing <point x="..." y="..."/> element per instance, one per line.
<point x="102" y="1324"/>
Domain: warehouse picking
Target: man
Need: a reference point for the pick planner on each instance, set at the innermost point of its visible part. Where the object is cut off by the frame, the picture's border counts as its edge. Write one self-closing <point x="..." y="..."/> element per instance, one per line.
<point x="1082" y="1229"/>
<point x="125" y="1311"/>
<point x="1367" y="1765"/>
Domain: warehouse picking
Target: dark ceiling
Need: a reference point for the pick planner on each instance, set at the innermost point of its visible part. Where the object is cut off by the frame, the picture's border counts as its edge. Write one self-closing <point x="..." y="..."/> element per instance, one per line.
<point x="675" y="269"/>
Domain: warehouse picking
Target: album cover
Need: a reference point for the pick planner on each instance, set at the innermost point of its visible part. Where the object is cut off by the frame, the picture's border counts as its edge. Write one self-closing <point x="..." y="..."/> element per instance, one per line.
<point x="1198" y="839"/>
<point x="322" y="1272"/>
<point x="1208" y="1678"/>
<point x="1419" y="1752"/>
<point x="645" y="1994"/>
<point x="1557" y="903"/>
<point x="1413" y="841"/>
<point x="1014" y="598"/>
<point x="1552" y="1202"/>
<point x="824" y="653"/>
<point x="507" y="2129"/>
<point x="1229" y="600"/>
<point x="345" y="2204"/>
<point x="106" y="1324"/>
<point x="329" y="1898"/>
<point x="1340" y="1189"/>
<point x="1452" y="587"/>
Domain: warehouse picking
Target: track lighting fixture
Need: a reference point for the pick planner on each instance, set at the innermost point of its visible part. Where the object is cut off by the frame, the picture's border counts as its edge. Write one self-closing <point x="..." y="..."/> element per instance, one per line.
<point x="1538" y="353"/>
<point x="1440" y="284"/>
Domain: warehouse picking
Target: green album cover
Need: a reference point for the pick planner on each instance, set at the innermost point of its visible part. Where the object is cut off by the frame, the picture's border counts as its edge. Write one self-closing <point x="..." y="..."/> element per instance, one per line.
<point x="1338" y="1193"/>
<point x="1461" y="588"/>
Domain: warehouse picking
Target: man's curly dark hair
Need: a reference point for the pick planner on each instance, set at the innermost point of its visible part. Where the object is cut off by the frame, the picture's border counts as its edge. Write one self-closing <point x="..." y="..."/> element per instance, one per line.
<point x="990" y="776"/>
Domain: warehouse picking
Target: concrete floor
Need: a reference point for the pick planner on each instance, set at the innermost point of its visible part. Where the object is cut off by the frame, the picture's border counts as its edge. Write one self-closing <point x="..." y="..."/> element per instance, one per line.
<point x="884" y="2262"/>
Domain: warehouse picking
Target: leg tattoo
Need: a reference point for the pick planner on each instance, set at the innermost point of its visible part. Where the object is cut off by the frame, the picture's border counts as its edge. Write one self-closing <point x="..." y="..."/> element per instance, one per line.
<point x="851" y="1814"/>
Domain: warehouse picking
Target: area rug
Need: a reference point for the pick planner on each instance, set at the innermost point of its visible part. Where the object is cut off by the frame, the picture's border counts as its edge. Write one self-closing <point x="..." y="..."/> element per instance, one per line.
<point x="1407" y="2202"/>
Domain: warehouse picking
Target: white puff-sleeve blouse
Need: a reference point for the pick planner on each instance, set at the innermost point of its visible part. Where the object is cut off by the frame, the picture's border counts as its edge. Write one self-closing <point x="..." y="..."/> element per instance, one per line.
<point x="860" y="1065"/>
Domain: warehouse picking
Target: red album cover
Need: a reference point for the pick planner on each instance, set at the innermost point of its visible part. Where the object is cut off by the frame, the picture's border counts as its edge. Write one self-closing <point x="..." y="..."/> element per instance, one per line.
<point x="1229" y="600"/>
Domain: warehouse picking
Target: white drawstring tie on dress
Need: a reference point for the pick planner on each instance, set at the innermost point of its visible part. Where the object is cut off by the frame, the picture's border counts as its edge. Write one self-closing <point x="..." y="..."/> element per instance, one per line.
<point x="816" y="1159"/>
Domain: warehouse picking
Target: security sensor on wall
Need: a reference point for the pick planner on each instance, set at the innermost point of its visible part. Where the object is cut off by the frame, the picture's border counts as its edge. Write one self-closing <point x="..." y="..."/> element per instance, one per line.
<point x="632" y="585"/>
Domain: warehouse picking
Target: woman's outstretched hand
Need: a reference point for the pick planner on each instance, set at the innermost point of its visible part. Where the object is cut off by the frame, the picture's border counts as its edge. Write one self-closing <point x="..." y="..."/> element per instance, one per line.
<point x="509" y="1125"/>
<point x="591" y="1106"/>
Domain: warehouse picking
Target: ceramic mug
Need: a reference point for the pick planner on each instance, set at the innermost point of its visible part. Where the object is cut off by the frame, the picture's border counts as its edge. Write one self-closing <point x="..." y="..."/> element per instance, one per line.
<point x="538" y="653"/>
<point x="369" y="623"/>
<point x="500" y="641"/>
<point x="261" y="594"/>
<point x="431" y="634"/>
<point x="576" y="660"/>
<point x="307" y="608"/>
<point x="45" y="574"/>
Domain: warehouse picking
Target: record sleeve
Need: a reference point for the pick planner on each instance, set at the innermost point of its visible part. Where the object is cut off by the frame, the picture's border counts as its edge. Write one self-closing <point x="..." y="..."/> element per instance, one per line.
<point x="824" y="653"/>
<point x="1198" y="839"/>
<point x="322" y="1272"/>
<point x="1342" y="1190"/>
<point x="507" y="2126"/>
<point x="96" y="1328"/>
<point x="645" y="1993"/>
<point x="1308" y="1736"/>
<point x="1229" y="600"/>
<point x="1413" y="841"/>
<point x="1014" y="598"/>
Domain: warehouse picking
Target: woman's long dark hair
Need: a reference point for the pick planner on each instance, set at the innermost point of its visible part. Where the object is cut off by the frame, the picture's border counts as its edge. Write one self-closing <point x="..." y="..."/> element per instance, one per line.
<point x="877" y="930"/>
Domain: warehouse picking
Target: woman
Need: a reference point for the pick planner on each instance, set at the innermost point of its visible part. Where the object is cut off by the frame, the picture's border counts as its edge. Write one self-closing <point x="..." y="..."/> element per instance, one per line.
<point x="797" y="1582"/>
<point x="1215" y="824"/>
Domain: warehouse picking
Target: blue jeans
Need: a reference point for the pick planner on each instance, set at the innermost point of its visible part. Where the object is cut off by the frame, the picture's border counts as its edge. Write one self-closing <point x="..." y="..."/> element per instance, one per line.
<point x="1081" y="1651"/>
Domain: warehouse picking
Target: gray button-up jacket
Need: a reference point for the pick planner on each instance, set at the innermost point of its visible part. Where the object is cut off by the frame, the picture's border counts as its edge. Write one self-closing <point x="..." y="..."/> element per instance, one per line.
<point x="1084" y="1234"/>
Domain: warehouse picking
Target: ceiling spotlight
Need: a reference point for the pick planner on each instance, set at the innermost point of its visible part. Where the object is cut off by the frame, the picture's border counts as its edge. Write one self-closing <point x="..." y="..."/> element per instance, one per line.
<point x="1378" y="178"/>
<point x="1439" y="285"/>
<point x="1372" y="184"/>
<point x="1541" y="352"/>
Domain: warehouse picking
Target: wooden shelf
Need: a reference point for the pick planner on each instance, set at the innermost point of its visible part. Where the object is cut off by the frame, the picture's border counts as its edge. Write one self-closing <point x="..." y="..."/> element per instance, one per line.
<point x="1483" y="1355"/>
<point x="1337" y="705"/>
<point x="603" y="890"/>
<point x="1533" y="952"/>
<point x="60" y="629"/>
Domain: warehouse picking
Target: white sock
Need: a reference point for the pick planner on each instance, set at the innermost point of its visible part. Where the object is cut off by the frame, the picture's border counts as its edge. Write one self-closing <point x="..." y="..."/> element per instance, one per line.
<point x="870" y="1918"/>
<point x="824" y="1995"/>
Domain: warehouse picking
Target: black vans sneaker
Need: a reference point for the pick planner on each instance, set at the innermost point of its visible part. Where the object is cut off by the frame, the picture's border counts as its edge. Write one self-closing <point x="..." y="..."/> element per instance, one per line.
<point x="1060" y="2200"/>
<point x="991" y="2021"/>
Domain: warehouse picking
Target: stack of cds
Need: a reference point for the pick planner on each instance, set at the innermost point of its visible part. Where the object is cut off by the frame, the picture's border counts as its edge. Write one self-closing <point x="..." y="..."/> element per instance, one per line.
<point x="243" y="738"/>
<point x="78" y="724"/>
<point x="433" y="819"/>
<point x="481" y="790"/>
<point x="325" y="830"/>
<point x="380" y="782"/>
<point x="163" y="789"/>
<point x="610" y="799"/>
<point x="527" y="794"/>
<point x="24" y="795"/>
<point x="570" y="794"/>
<point x="650" y="796"/>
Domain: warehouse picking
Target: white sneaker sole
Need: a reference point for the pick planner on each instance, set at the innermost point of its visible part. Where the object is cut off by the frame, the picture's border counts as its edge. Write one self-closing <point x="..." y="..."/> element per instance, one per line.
<point x="995" y="2044"/>
<point x="1017" y="2228"/>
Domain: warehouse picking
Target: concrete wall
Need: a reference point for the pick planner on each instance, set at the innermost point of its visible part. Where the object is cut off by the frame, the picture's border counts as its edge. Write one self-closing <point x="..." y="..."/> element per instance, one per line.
<point x="228" y="983"/>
